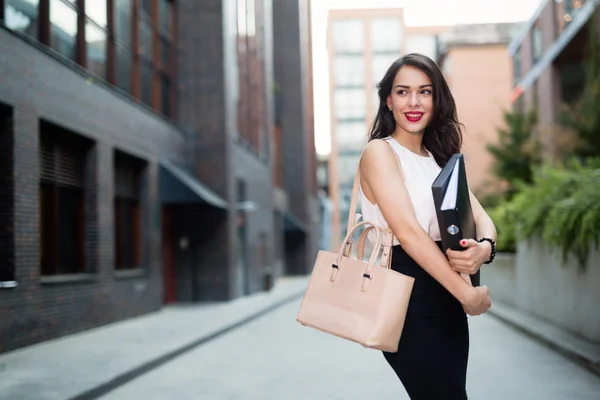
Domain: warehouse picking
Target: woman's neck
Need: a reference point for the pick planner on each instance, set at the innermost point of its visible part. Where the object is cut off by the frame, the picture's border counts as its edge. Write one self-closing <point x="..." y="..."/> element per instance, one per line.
<point x="412" y="141"/>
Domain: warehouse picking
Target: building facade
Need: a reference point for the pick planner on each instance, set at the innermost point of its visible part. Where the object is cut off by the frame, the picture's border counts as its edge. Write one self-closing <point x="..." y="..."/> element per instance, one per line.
<point x="137" y="157"/>
<point x="473" y="59"/>
<point x="548" y="61"/>
<point x="361" y="44"/>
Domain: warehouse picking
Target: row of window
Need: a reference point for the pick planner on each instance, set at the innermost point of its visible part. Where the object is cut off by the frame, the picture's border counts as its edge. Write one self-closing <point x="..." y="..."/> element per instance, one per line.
<point x="386" y="35"/>
<point x="68" y="200"/>
<point x="128" y="43"/>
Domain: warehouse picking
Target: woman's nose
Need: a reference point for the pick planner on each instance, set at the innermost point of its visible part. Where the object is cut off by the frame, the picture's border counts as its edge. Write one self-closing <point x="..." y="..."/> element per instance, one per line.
<point x="413" y="99"/>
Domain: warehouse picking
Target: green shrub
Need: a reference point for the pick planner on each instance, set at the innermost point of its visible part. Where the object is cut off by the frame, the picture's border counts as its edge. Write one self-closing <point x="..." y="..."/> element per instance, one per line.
<point x="504" y="218"/>
<point x="561" y="207"/>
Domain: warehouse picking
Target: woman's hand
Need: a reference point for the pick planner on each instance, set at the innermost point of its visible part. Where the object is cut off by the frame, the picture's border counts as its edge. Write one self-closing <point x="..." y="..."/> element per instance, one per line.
<point x="469" y="261"/>
<point x="477" y="301"/>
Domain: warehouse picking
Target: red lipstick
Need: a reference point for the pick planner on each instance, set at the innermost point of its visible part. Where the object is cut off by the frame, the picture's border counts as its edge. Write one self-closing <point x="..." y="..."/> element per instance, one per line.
<point x="414" y="116"/>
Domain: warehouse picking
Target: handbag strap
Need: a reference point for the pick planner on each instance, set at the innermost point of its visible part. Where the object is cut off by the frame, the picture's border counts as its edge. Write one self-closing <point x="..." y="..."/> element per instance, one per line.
<point x="389" y="235"/>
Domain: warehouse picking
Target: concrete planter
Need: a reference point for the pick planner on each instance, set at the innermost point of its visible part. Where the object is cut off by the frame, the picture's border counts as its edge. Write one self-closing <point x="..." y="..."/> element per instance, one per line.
<point x="561" y="294"/>
<point x="500" y="278"/>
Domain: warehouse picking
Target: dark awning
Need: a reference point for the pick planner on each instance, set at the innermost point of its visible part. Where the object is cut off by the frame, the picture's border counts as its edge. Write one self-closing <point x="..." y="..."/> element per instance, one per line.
<point x="179" y="186"/>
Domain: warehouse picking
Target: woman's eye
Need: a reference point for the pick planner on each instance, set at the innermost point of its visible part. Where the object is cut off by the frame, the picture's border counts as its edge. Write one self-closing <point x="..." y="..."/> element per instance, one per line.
<point x="401" y="92"/>
<point x="426" y="91"/>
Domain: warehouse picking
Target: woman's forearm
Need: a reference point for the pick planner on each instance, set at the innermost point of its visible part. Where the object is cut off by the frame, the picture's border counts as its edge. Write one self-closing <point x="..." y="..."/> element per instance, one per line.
<point x="419" y="246"/>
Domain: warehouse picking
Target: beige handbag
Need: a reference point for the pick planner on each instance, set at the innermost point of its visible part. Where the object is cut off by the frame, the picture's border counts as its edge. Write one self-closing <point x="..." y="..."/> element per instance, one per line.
<point x="365" y="302"/>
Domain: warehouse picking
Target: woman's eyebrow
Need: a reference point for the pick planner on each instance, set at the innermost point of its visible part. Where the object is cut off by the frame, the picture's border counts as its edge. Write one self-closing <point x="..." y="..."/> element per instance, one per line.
<point x="408" y="87"/>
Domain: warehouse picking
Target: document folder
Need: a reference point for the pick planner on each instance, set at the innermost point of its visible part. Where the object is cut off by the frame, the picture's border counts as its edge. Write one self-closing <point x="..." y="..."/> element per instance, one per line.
<point x="453" y="207"/>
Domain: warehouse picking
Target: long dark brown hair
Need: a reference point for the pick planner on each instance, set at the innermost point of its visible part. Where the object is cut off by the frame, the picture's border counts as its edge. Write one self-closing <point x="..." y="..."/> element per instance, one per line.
<point x="443" y="135"/>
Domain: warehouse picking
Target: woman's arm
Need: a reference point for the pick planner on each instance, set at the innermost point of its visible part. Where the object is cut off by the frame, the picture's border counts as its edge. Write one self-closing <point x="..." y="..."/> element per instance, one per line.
<point x="382" y="179"/>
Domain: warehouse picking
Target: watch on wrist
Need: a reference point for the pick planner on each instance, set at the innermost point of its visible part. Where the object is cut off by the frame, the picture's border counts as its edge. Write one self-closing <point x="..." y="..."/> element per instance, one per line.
<point x="493" y="244"/>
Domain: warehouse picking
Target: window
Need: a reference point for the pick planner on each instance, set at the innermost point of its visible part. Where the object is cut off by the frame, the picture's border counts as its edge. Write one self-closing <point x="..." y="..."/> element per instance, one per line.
<point x="7" y="266"/>
<point x="113" y="56"/>
<point x="123" y="20"/>
<point x="386" y="35"/>
<point x="167" y="56"/>
<point x="63" y="29"/>
<point x="537" y="40"/>
<point x="517" y="67"/>
<point x="127" y="211"/>
<point x="22" y="16"/>
<point x="349" y="70"/>
<point x="381" y="64"/>
<point x="348" y="36"/>
<point x="347" y="164"/>
<point x="251" y="104"/>
<point x="96" y="40"/>
<point x="350" y="103"/>
<point x="62" y="200"/>
<point x="123" y="67"/>
<point x="351" y="135"/>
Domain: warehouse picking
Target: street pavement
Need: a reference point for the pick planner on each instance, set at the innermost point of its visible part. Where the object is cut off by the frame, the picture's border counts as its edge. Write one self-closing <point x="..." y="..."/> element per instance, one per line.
<point x="275" y="358"/>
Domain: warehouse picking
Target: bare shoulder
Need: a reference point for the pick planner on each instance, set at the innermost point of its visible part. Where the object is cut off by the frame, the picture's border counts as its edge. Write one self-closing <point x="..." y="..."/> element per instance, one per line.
<point x="376" y="151"/>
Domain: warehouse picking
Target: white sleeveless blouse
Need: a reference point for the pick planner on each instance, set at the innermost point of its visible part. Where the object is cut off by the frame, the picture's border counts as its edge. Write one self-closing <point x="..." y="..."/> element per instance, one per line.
<point x="419" y="174"/>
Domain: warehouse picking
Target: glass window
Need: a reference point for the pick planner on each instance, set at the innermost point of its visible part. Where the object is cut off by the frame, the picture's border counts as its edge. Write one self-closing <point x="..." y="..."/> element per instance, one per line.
<point x="348" y="36"/>
<point x="165" y="50"/>
<point x="242" y="22"/>
<point x="63" y="22"/>
<point x="123" y="20"/>
<point x="375" y="100"/>
<point x="22" y="16"/>
<point x="251" y="16"/>
<point x="146" y="81"/>
<point x="351" y="135"/>
<point x="147" y="7"/>
<point x="386" y="35"/>
<point x="123" y="67"/>
<point x="96" y="39"/>
<point x="517" y="67"/>
<point x="96" y="11"/>
<point x="350" y="103"/>
<point x="537" y="43"/>
<point x="347" y="164"/>
<point x="381" y="63"/>
<point x="145" y="39"/>
<point x="165" y="91"/>
<point x="349" y="70"/>
<point x="166" y="7"/>
<point x="424" y="44"/>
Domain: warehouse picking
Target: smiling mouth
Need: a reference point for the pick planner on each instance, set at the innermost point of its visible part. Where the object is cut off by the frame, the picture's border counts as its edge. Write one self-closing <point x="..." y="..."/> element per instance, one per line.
<point x="414" y="116"/>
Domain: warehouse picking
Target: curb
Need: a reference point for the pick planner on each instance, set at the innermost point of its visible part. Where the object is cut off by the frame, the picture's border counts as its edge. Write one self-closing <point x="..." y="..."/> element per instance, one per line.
<point x="128" y="376"/>
<point x="582" y="352"/>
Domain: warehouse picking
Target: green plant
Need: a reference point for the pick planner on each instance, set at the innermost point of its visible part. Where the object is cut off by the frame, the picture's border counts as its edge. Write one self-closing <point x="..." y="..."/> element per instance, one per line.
<point x="516" y="153"/>
<point x="562" y="207"/>
<point x="504" y="217"/>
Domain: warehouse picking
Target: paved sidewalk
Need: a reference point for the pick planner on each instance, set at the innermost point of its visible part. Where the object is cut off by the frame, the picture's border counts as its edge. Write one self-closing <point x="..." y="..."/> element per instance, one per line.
<point x="580" y="350"/>
<point x="86" y="364"/>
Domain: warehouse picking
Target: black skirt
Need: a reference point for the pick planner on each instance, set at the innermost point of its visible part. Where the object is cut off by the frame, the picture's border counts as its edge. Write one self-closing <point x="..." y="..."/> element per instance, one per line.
<point x="433" y="352"/>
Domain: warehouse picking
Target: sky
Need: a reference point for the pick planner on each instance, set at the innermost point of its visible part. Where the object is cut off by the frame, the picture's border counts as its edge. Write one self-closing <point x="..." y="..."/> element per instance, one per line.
<point x="416" y="13"/>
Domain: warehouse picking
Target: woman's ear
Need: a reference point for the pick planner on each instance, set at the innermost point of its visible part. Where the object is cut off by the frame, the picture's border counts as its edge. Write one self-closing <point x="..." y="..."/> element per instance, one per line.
<point x="388" y="102"/>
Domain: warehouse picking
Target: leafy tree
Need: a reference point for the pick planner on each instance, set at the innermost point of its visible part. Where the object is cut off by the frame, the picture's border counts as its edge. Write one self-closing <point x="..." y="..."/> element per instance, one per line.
<point x="517" y="153"/>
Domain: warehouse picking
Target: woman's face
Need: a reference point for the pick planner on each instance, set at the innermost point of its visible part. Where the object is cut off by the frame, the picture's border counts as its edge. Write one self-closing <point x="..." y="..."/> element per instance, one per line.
<point x="411" y="99"/>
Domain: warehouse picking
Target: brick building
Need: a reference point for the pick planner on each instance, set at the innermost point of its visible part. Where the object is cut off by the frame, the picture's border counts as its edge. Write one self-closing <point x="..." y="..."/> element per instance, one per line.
<point x="549" y="56"/>
<point x="138" y="156"/>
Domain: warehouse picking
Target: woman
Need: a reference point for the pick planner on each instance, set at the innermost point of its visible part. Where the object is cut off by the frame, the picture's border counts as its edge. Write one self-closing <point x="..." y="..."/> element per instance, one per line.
<point x="414" y="134"/>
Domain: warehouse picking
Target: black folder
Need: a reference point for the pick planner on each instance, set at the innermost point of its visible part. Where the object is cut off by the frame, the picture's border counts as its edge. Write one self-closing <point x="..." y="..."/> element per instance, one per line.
<point x="453" y="207"/>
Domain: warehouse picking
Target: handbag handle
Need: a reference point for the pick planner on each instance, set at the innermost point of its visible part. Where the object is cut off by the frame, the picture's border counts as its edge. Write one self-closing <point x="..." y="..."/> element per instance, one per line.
<point x="389" y="236"/>
<point x="370" y="265"/>
<point x="361" y="246"/>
